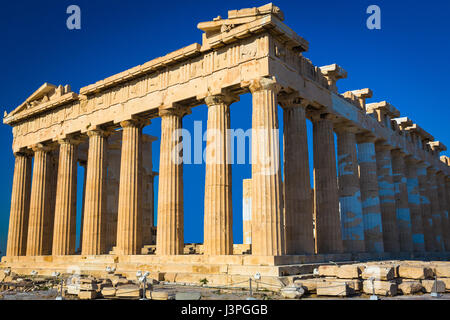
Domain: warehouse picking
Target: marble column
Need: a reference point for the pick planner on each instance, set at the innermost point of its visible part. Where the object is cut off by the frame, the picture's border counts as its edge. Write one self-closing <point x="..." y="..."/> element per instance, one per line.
<point x="268" y="234"/>
<point x="20" y="206"/>
<point x="447" y="194"/>
<point x="435" y="209"/>
<point x="373" y="230"/>
<point x="64" y="233"/>
<point x="112" y="198"/>
<point x="440" y="178"/>
<point x="415" y="209"/>
<point x="94" y="224"/>
<point x="170" y="223"/>
<point x="218" y="221"/>
<point x="425" y="204"/>
<point x="247" y="211"/>
<point x="387" y="198"/>
<point x="84" y="165"/>
<point x="297" y="187"/>
<point x="129" y="222"/>
<point x="328" y="224"/>
<point x="349" y="191"/>
<point x="50" y="217"/>
<point x="401" y="201"/>
<point x="39" y="202"/>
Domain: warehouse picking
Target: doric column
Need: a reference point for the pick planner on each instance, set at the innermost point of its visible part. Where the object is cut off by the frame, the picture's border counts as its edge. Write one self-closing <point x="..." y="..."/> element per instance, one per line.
<point x="129" y="221"/>
<point x="297" y="187"/>
<point x="170" y="226"/>
<point x="247" y="210"/>
<point x="401" y="201"/>
<point x="373" y="230"/>
<point x="435" y="209"/>
<point x="447" y="194"/>
<point x="349" y="191"/>
<point x="387" y="198"/>
<point x="268" y="234"/>
<point x="425" y="204"/>
<point x="218" y="221"/>
<point x="94" y="224"/>
<point x="328" y="224"/>
<point x="39" y="202"/>
<point x="20" y="206"/>
<point x="83" y="200"/>
<point x="440" y="178"/>
<point x="50" y="217"/>
<point x="64" y="232"/>
<point x="414" y="206"/>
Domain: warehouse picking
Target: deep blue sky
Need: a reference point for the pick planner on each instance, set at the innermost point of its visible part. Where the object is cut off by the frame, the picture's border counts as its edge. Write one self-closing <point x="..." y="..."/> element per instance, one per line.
<point x="406" y="63"/>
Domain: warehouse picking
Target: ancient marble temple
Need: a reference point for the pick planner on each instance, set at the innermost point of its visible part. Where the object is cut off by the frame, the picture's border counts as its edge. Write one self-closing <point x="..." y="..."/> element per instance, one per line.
<point x="385" y="194"/>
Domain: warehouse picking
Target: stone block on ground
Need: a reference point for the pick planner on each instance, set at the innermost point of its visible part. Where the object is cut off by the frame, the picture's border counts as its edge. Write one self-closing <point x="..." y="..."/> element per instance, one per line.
<point x="383" y="288"/>
<point x="443" y="271"/>
<point x="415" y="272"/>
<point x="333" y="288"/>
<point x="328" y="270"/>
<point x="109" y="292"/>
<point x="385" y="273"/>
<point x="87" y="295"/>
<point x="408" y="287"/>
<point x="73" y="289"/>
<point x="160" y="295"/>
<point x="447" y="283"/>
<point x="348" y="271"/>
<point x="129" y="291"/>
<point x="431" y="286"/>
<point x="354" y="285"/>
<point x="292" y="292"/>
<point x="188" y="295"/>
<point x="309" y="284"/>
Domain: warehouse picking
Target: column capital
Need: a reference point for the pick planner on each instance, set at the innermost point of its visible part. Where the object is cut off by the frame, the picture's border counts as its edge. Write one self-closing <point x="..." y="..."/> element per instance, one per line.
<point x="70" y="140"/>
<point x="398" y="152"/>
<point x="264" y="83"/>
<point x="41" y="147"/>
<point x="174" y="110"/>
<point x="23" y="153"/>
<point x="98" y="132"/>
<point x="383" y="145"/>
<point x="138" y="122"/>
<point x="216" y="99"/>
<point x="345" y="126"/>
<point x="292" y="101"/>
<point x="365" y="137"/>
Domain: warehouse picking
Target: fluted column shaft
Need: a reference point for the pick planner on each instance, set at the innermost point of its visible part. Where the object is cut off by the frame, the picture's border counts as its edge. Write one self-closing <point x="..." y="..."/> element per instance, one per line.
<point x="268" y="234"/>
<point x="435" y="209"/>
<point x="112" y="185"/>
<point x="328" y="224"/>
<point x="414" y="206"/>
<point x="84" y="165"/>
<point x="64" y="233"/>
<point x="440" y="178"/>
<point x="297" y="188"/>
<point x="129" y="223"/>
<point x="94" y="224"/>
<point x="170" y="227"/>
<point x="39" y="202"/>
<point x="387" y="198"/>
<point x="425" y="204"/>
<point x="349" y="192"/>
<point x="401" y="201"/>
<point x="20" y="206"/>
<point x="373" y="230"/>
<point x="218" y="221"/>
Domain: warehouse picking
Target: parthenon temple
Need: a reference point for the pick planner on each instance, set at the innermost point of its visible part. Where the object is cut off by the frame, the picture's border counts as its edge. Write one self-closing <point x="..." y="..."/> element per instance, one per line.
<point x="381" y="190"/>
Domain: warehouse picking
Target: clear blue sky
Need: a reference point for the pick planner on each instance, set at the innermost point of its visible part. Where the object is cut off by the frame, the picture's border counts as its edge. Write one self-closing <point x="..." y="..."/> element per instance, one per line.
<point x="406" y="63"/>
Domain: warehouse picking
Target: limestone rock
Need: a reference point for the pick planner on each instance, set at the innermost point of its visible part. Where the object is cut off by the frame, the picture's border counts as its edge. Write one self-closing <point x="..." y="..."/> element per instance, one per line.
<point x="160" y="295"/>
<point x="429" y="286"/>
<point x="443" y="271"/>
<point x="328" y="270"/>
<point x="413" y="272"/>
<point x="447" y="283"/>
<point x="354" y="285"/>
<point x="410" y="287"/>
<point x="384" y="288"/>
<point x="129" y="291"/>
<point x="292" y="292"/>
<point x="73" y="289"/>
<point x="333" y="288"/>
<point x="385" y="273"/>
<point x="349" y="271"/>
<point x="188" y="295"/>
<point x="108" y="292"/>
<point x="87" y="295"/>
<point x="309" y="284"/>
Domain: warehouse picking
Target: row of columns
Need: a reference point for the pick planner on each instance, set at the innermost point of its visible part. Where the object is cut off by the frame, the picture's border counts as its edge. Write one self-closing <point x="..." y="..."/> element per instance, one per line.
<point x="376" y="200"/>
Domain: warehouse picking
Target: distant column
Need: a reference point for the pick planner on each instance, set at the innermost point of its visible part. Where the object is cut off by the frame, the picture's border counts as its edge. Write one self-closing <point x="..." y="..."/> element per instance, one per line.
<point x="425" y="204"/>
<point x="401" y="201"/>
<point x="170" y="227"/>
<point x="435" y="209"/>
<point x="328" y="224"/>
<point x="268" y="237"/>
<point x="387" y="198"/>
<point x="64" y="234"/>
<point x="373" y="230"/>
<point x="415" y="209"/>
<point x="247" y="210"/>
<point x="297" y="187"/>
<point x="39" y="202"/>
<point x="443" y="208"/>
<point x="94" y="224"/>
<point x="84" y="165"/>
<point x="112" y="186"/>
<point x="349" y="191"/>
<point x="20" y="206"/>
<point x="218" y="219"/>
